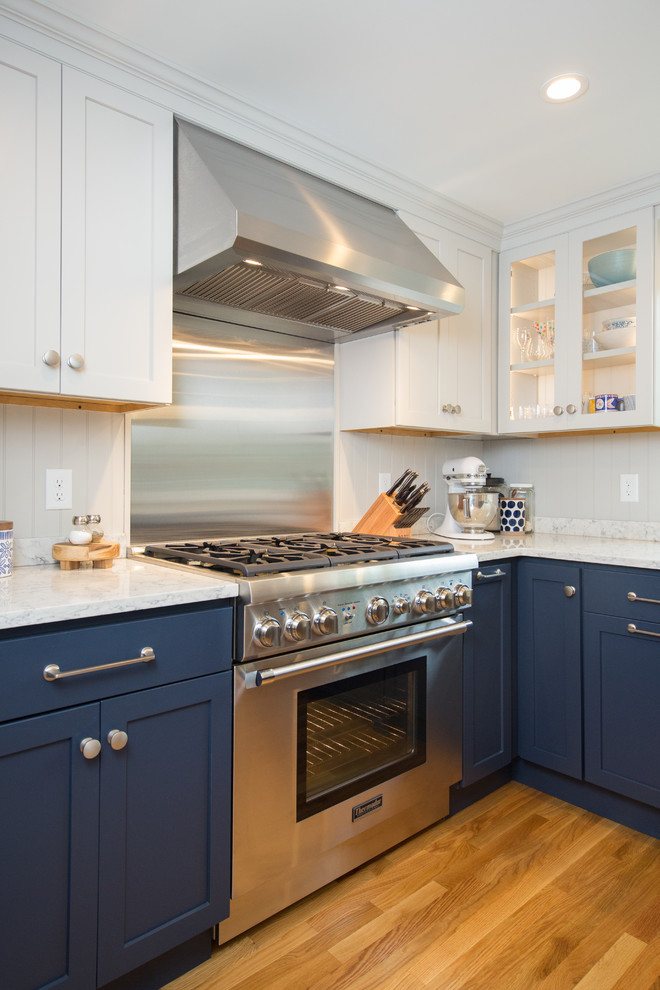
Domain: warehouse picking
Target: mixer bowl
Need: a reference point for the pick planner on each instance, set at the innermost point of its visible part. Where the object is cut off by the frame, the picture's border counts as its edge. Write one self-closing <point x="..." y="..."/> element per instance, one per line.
<point x="473" y="511"/>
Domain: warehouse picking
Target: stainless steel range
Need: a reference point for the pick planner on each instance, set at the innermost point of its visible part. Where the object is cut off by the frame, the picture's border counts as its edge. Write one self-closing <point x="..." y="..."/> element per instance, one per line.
<point x="347" y="702"/>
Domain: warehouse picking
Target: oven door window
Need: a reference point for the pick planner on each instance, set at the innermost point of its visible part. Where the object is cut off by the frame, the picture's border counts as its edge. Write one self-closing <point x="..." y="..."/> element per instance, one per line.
<point x="359" y="732"/>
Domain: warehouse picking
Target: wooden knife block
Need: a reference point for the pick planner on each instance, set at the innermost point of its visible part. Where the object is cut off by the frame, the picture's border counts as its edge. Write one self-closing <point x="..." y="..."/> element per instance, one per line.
<point x="380" y="518"/>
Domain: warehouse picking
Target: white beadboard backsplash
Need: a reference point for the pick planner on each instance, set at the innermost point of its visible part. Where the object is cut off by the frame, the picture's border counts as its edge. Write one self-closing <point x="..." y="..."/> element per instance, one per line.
<point x="91" y="444"/>
<point x="576" y="478"/>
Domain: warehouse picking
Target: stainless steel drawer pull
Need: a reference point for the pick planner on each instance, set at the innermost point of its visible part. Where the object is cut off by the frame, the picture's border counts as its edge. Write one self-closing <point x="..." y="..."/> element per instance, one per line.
<point x="632" y="628"/>
<point x="53" y="673"/>
<point x="632" y="597"/>
<point x="569" y="590"/>
<point x="272" y="674"/>
<point x="489" y="577"/>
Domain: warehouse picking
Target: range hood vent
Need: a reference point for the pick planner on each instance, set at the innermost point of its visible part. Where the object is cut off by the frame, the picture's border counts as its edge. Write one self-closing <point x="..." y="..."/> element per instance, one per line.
<point x="257" y="235"/>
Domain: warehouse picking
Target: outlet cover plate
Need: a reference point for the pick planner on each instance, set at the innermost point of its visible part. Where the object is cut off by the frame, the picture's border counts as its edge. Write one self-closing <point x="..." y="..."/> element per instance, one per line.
<point x="629" y="487"/>
<point x="59" y="488"/>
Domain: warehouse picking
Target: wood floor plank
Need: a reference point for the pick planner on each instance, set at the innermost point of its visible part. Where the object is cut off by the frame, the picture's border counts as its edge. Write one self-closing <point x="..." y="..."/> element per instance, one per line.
<point x="616" y="962"/>
<point x="517" y="892"/>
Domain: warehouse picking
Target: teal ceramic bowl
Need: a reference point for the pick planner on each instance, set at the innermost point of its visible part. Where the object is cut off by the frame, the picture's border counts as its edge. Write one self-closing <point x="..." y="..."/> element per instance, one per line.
<point x="613" y="267"/>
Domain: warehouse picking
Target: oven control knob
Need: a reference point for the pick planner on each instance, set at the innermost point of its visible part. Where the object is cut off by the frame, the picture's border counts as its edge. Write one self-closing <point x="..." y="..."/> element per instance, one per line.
<point x="463" y="595"/>
<point x="325" y="622"/>
<point x="445" y="598"/>
<point x="378" y="610"/>
<point x="401" y="606"/>
<point x="424" y="602"/>
<point x="267" y="632"/>
<point x="298" y="627"/>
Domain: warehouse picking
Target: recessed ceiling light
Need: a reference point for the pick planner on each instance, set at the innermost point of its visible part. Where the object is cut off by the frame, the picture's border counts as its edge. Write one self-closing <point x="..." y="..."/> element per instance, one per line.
<point x="569" y="86"/>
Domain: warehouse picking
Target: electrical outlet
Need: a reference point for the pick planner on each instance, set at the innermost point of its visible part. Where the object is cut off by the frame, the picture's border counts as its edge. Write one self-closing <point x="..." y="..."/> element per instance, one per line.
<point x="384" y="481"/>
<point x="59" y="488"/>
<point x="629" y="487"/>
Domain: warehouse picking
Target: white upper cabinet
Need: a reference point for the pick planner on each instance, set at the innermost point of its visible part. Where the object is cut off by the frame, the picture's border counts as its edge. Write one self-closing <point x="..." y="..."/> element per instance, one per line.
<point x="574" y="354"/>
<point x="431" y="377"/>
<point x="30" y="209"/>
<point x="104" y="157"/>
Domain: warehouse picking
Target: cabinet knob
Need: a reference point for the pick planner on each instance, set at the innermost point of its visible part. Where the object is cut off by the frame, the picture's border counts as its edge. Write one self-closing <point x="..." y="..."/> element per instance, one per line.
<point x="117" y="738"/>
<point x="90" y="748"/>
<point x="569" y="590"/>
<point x="51" y="358"/>
<point x="571" y="409"/>
<point x="558" y="410"/>
<point x="457" y="410"/>
<point x="448" y="408"/>
<point x="76" y="361"/>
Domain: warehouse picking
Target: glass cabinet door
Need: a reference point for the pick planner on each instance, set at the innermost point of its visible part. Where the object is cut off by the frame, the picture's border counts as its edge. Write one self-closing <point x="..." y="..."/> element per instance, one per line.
<point x="536" y="337"/>
<point x="616" y="379"/>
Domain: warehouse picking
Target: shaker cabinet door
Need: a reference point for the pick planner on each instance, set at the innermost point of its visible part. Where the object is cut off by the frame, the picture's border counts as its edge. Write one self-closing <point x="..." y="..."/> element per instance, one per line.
<point x="165" y="820"/>
<point x="549" y="666"/>
<point x="30" y="211"/>
<point x="487" y="744"/>
<point x="48" y="843"/>
<point x="621" y="706"/>
<point x="116" y="243"/>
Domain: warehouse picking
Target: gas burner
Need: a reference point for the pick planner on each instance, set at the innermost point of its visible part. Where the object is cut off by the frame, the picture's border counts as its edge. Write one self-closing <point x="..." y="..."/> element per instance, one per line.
<point x="257" y="555"/>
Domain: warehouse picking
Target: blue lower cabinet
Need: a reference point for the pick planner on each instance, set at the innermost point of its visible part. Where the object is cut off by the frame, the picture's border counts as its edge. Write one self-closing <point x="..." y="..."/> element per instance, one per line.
<point x="549" y="666"/>
<point x="164" y="820"/>
<point x="622" y="706"/>
<point x="136" y="828"/>
<point x="487" y="675"/>
<point x="49" y="850"/>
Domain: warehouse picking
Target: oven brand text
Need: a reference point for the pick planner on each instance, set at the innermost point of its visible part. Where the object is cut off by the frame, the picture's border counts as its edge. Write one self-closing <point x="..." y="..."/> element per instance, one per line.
<point x="373" y="804"/>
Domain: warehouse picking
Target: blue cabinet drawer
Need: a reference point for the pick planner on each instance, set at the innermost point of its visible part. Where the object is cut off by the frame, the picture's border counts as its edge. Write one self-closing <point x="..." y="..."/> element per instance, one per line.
<point x="619" y="591"/>
<point x="185" y="644"/>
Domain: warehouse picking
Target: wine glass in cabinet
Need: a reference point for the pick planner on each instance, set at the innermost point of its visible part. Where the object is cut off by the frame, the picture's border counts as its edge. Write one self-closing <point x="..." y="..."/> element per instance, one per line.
<point x="531" y="338"/>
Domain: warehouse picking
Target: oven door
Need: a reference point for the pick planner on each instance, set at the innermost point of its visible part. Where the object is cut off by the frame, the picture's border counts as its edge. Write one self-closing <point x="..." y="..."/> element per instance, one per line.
<point x="337" y="757"/>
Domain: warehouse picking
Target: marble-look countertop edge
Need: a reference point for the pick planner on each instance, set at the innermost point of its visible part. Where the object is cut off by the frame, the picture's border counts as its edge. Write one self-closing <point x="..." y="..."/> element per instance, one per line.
<point x="43" y="593"/>
<point x="578" y="549"/>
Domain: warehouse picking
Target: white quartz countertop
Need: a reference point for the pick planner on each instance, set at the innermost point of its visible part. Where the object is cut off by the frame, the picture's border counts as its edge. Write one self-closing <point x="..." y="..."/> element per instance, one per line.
<point x="44" y="593"/>
<point x="583" y="549"/>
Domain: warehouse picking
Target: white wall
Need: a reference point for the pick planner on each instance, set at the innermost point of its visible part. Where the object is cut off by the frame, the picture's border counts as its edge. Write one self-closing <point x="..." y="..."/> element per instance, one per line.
<point x="91" y="444"/>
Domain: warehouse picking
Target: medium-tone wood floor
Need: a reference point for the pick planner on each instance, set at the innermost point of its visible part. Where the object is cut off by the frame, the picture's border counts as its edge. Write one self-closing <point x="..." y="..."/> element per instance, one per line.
<point x="518" y="892"/>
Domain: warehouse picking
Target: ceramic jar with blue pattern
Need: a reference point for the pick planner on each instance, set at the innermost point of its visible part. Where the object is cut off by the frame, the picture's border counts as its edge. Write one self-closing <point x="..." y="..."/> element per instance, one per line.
<point x="512" y="515"/>
<point x="6" y="548"/>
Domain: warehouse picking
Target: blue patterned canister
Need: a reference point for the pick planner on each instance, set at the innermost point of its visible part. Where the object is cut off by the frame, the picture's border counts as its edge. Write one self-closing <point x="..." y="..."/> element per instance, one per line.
<point x="6" y="548"/>
<point x="512" y="515"/>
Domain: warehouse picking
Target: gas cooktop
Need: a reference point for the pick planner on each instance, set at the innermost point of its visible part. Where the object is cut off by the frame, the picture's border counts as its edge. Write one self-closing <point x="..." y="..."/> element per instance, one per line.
<point x="253" y="556"/>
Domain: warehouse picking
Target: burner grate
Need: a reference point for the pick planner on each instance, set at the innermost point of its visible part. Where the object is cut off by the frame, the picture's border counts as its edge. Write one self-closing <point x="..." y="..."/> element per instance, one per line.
<point x="275" y="554"/>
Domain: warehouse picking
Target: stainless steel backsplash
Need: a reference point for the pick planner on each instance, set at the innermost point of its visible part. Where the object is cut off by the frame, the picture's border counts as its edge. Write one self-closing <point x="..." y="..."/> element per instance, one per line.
<point x="246" y="446"/>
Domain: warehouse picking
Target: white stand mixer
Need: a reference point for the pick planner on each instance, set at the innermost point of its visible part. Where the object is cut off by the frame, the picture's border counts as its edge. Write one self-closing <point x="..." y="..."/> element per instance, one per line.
<point x="469" y="509"/>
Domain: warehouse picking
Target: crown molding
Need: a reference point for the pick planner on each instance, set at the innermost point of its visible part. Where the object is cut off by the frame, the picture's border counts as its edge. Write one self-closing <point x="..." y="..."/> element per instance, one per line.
<point x="79" y="43"/>
<point x="632" y="195"/>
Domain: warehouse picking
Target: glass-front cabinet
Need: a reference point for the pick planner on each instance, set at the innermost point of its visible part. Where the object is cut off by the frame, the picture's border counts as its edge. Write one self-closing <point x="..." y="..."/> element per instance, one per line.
<point x="576" y="332"/>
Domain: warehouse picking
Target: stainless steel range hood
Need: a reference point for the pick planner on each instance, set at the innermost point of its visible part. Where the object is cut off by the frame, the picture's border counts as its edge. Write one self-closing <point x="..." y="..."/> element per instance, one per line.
<point x="325" y="257"/>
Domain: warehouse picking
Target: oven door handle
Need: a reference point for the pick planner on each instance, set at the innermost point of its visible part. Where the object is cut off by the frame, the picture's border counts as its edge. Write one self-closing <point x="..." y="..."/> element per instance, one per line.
<point x="272" y="674"/>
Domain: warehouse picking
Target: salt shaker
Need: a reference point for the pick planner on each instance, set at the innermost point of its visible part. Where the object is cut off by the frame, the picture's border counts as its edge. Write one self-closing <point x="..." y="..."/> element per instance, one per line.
<point x="96" y="528"/>
<point x="6" y="548"/>
<point x="81" y="533"/>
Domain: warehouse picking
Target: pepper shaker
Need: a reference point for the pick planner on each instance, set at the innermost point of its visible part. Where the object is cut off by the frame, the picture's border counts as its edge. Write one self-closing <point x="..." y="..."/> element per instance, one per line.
<point x="96" y="528"/>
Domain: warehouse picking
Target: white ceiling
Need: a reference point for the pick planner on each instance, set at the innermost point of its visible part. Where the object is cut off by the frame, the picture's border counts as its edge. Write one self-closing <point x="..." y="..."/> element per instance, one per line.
<point x="443" y="94"/>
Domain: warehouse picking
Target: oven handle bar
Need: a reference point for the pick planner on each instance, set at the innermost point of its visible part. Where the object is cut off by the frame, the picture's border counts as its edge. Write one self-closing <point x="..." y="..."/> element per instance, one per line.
<point x="273" y="674"/>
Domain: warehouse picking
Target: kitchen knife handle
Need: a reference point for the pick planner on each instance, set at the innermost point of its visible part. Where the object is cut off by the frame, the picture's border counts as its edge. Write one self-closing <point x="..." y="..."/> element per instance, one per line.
<point x="391" y="490"/>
